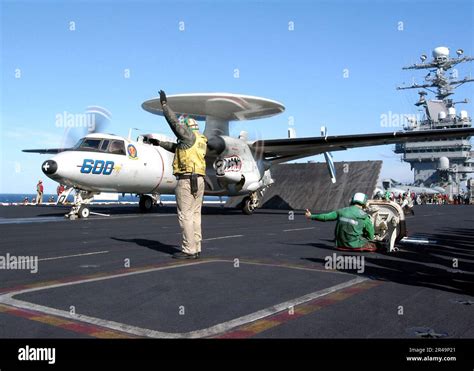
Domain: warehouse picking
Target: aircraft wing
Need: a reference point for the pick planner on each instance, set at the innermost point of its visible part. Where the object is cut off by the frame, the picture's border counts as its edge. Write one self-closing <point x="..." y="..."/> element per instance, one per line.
<point x="282" y="150"/>
<point x="46" y="151"/>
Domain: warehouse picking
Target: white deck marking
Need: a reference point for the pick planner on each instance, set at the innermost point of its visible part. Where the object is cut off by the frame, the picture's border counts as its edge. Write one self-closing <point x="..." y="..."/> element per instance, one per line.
<point x="8" y="299"/>
<point x="297" y="229"/>
<point x="416" y="241"/>
<point x="118" y="216"/>
<point x="100" y="214"/>
<point x="223" y="237"/>
<point x="50" y="219"/>
<point x="294" y="267"/>
<point x="44" y="219"/>
<point x="73" y="256"/>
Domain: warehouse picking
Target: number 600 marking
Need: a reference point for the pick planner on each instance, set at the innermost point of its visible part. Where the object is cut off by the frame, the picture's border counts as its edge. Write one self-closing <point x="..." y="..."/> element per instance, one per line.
<point x="97" y="167"/>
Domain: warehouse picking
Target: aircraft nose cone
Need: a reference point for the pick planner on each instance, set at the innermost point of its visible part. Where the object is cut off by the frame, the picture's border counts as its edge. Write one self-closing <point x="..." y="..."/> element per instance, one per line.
<point x="49" y="167"/>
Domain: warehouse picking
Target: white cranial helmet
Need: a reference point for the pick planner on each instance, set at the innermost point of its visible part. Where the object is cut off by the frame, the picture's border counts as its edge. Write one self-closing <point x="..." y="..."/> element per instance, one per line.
<point x="359" y="198"/>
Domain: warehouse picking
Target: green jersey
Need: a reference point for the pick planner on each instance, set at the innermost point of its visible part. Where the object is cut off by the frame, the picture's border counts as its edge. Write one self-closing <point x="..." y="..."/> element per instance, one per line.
<point x="354" y="227"/>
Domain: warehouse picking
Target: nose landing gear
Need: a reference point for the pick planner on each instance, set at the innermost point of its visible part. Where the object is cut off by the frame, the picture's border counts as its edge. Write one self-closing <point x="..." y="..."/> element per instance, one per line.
<point x="80" y="208"/>
<point x="83" y="212"/>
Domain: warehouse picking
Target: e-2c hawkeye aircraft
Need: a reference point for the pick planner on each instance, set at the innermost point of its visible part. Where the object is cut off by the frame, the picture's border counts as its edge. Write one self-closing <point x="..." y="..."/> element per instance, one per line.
<point x="235" y="166"/>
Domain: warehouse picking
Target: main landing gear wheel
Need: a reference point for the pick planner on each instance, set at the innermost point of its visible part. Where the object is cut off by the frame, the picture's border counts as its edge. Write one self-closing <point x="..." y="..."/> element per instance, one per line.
<point x="146" y="204"/>
<point x="84" y="212"/>
<point x="251" y="202"/>
<point x="248" y="206"/>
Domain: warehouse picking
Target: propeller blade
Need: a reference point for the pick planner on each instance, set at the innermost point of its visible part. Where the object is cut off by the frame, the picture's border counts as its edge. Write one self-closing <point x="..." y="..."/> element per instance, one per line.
<point x="94" y="120"/>
<point x="101" y="119"/>
<point x="255" y="135"/>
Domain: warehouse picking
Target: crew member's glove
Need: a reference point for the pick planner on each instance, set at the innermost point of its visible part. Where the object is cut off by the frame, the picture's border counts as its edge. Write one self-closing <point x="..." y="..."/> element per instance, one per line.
<point x="154" y="141"/>
<point x="163" y="99"/>
<point x="307" y="214"/>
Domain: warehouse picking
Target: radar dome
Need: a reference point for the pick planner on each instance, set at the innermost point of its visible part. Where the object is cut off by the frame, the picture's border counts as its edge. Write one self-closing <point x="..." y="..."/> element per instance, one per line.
<point x="443" y="163"/>
<point x="441" y="54"/>
<point x="440" y="51"/>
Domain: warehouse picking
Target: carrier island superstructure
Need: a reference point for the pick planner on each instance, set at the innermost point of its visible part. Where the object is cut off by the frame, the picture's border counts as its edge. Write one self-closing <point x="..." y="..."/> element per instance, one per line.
<point x="442" y="162"/>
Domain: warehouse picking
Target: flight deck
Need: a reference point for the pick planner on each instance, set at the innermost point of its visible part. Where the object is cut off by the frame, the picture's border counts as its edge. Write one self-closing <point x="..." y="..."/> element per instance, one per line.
<point x="260" y="276"/>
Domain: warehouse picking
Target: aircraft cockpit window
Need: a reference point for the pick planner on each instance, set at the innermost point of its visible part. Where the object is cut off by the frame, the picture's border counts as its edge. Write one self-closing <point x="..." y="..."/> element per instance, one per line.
<point x="117" y="147"/>
<point x="78" y="144"/>
<point x="90" y="144"/>
<point x="104" y="145"/>
<point x="101" y="145"/>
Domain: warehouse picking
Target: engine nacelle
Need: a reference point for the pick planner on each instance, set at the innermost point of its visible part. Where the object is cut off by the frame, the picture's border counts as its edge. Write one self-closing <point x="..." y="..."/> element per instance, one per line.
<point x="229" y="168"/>
<point x="237" y="169"/>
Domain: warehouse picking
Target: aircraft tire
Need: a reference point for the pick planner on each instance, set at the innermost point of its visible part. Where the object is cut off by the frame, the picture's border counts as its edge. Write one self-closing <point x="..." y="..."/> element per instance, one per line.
<point x="146" y="204"/>
<point x="247" y="208"/>
<point x="83" y="212"/>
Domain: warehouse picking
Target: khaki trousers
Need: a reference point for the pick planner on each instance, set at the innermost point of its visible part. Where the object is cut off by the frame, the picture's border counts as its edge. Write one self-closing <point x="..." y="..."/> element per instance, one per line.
<point x="189" y="214"/>
<point x="39" y="198"/>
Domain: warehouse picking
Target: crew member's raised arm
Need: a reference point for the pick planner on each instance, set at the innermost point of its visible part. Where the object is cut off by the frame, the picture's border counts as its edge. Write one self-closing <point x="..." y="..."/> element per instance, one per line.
<point x="169" y="146"/>
<point x="183" y="132"/>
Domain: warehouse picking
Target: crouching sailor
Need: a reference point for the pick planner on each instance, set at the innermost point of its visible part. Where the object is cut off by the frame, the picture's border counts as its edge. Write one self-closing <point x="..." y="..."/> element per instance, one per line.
<point x="354" y="228"/>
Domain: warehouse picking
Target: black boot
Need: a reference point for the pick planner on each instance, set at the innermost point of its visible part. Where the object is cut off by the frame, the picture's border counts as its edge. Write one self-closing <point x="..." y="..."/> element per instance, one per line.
<point x="183" y="255"/>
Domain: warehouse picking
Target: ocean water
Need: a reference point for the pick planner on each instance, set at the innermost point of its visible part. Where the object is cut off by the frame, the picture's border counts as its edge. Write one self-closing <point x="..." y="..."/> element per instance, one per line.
<point x="19" y="197"/>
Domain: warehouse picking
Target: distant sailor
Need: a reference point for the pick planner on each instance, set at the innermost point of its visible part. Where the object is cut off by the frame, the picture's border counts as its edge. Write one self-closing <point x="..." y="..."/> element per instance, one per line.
<point x="39" y="192"/>
<point x="354" y="228"/>
<point x="189" y="167"/>
<point x="60" y="189"/>
<point x="407" y="204"/>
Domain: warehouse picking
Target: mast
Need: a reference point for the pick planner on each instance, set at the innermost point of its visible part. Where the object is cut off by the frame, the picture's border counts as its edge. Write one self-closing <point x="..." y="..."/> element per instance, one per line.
<point x="443" y="162"/>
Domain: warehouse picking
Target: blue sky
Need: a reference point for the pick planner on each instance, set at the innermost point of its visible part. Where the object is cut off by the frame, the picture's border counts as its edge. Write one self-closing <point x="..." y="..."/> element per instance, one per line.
<point x="64" y="70"/>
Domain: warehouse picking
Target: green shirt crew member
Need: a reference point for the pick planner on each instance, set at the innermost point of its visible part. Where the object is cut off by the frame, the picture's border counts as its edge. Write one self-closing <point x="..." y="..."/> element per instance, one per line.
<point x="354" y="228"/>
<point x="189" y="166"/>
